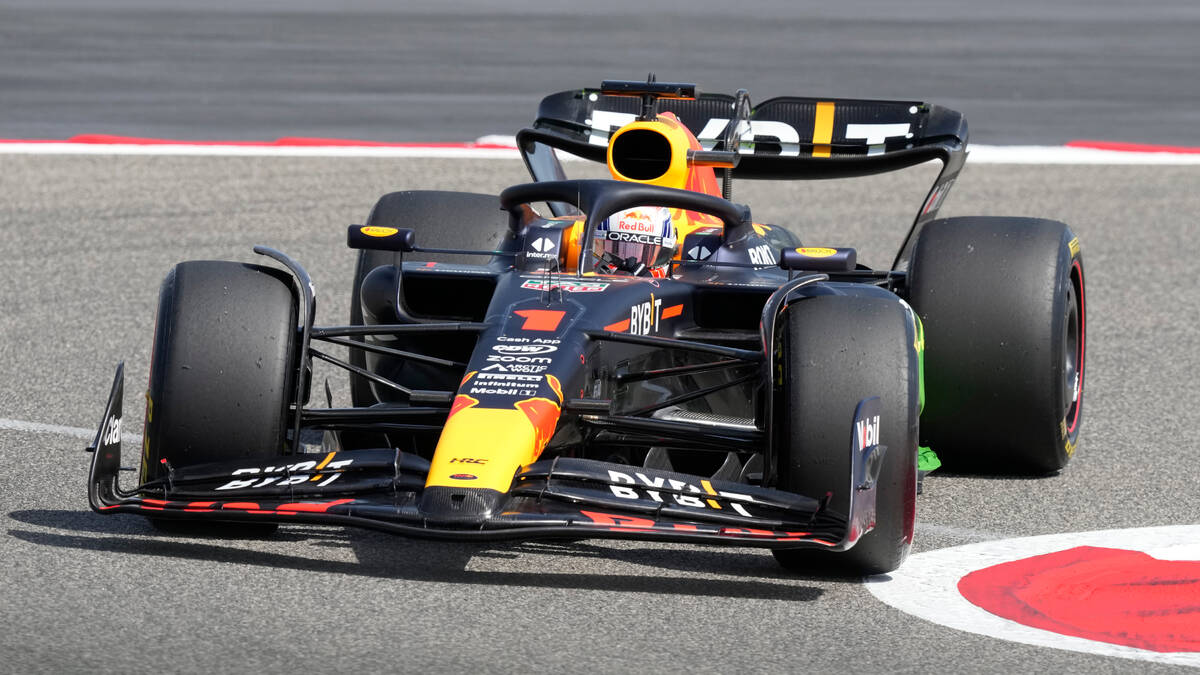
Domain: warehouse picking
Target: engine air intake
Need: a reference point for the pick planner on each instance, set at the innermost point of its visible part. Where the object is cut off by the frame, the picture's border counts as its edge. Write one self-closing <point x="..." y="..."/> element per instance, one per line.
<point x="641" y="154"/>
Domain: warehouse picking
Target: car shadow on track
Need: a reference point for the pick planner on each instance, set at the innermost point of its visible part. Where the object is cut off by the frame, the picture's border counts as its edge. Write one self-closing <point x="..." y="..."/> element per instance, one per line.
<point x="386" y="556"/>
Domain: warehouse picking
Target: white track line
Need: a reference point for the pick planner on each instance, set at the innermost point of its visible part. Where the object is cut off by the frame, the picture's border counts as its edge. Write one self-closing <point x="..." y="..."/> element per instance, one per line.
<point x="979" y="154"/>
<point x="74" y="432"/>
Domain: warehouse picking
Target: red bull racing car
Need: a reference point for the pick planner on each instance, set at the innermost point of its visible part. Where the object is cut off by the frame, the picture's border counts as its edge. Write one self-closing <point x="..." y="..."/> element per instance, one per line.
<point x="635" y="358"/>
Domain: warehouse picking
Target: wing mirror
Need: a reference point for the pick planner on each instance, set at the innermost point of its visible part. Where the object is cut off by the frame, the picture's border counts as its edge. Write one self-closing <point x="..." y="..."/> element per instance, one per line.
<point x="381" y="238"/>
<point x="818" y="259"/>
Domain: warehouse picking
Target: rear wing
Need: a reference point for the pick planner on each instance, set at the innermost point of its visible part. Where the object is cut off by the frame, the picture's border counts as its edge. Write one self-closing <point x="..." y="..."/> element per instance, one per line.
<point x="789" y="138"/>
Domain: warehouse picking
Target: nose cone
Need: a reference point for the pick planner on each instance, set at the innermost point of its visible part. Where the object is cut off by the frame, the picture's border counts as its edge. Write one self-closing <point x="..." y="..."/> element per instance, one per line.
<point x="482" y="448"/>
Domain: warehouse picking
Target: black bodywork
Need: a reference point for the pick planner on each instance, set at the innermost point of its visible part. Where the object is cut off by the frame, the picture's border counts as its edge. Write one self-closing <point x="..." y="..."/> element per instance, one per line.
<point x="665" y="400"/>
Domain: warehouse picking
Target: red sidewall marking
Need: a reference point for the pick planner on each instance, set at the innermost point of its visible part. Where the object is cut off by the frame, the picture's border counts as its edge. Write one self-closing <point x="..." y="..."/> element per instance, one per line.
<point x="1080" y="368"/>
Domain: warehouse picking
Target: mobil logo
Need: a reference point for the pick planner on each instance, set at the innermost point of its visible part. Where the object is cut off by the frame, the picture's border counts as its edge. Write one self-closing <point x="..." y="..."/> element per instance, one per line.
<point x="866" y="432"/>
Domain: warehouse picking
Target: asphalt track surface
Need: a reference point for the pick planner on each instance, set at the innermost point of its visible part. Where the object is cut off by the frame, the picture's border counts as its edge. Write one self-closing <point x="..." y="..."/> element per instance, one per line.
<point x="1022" y="71"/>
<point x="86" y="240"/>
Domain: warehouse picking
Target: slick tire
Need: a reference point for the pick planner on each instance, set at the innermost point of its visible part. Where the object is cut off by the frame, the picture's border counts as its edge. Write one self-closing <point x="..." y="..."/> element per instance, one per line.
<point x="222" y="377"/>
<point x="836" y="351"/>
<point x="1002" y="301"/>
<point x="440" y="219"/>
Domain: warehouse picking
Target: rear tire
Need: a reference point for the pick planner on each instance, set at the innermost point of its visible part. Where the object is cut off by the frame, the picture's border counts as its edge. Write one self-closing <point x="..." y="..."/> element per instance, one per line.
<point x="1002" y="301"/>
<point x="837" y="351"/>
<point x="465" y="220"/>
<point x="360" y="387"/>
<point x="222" y="377"/>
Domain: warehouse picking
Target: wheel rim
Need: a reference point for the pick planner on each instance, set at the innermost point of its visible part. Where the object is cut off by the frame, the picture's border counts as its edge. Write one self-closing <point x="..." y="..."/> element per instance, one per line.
<point x="1072" y="385"/>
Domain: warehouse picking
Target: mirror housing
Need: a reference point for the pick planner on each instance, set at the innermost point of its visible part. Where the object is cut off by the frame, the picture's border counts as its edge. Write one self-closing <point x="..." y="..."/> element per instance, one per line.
<point x="377" y="238"/>
<point x="818" y="259"/>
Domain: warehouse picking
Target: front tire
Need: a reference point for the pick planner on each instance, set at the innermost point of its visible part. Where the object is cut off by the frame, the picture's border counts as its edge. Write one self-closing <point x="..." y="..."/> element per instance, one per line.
<point x="837" y="351"/>
<point x="222" y="378"/>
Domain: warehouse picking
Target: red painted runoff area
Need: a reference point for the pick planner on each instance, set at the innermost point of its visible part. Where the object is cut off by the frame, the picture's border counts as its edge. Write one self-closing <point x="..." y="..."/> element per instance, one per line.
<point x="1110" y="595"/>
<point x="1133" y="147"/>
<point x="285" y="142"/>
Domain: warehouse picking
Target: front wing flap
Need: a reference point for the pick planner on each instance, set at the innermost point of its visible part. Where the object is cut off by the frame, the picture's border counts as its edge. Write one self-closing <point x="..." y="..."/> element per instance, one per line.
<point x="560" y="498"/>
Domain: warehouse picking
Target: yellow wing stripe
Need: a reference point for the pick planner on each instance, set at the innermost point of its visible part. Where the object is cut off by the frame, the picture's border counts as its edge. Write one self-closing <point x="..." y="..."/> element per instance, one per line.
<point x="709" y="489"/>
<point x="823" y="129"/>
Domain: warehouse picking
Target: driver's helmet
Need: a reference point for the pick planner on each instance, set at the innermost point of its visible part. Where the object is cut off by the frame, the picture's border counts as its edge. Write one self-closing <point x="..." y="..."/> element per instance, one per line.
<point x="635" y="241"/>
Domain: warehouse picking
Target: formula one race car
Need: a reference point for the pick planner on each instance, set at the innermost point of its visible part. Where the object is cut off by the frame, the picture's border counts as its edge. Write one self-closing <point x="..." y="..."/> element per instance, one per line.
<point x="637" y="358"/>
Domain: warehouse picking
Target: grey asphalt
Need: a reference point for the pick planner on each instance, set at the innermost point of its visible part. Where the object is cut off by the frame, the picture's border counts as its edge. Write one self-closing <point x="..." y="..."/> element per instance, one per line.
<point x="1023" y="71"/>
<point x="85" y="241"/>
